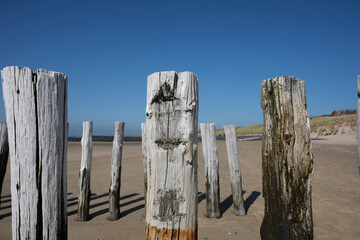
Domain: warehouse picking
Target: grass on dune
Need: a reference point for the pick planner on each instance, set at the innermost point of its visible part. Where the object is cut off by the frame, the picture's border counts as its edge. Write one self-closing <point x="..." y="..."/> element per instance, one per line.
<point x="320" y="121"/>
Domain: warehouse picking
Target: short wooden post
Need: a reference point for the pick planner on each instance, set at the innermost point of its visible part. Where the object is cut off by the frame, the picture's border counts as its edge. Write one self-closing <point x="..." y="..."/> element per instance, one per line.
<point x="171" y="134"/>
<point x="358" y="121"/>
<point x="85" y="172"/>
<point x="143" y="143"/>
<point x="36" y="115"/>
<point x="114" y="190"/>
<point x="234" y="167"/>
<point x="287" y="160"/>
<point x="208" y="141"/>
<point x="4" y="153"/>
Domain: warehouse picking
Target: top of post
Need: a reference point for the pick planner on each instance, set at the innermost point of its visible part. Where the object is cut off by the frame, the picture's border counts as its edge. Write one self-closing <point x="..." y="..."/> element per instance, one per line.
<point x="358" y="85"/>
<point x="13" y="69"/>
<point x="180" y="88"/>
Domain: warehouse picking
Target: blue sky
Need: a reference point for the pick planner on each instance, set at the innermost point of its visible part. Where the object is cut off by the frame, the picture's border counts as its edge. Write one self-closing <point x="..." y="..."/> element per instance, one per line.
<point x="108" y="48"/>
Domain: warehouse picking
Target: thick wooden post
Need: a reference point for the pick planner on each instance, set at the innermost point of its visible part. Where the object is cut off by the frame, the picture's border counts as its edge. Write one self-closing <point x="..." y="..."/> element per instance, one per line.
<point x="208" y="141"/>
<point x="4" y="153"/>
<point x="358" y="121"/>
<point x="85" y="172"/>
<point x="171" y="133"/>
<point x="287" y="160"/>
<point x="36" y="115"/>
<point x="143" y="143"/>
<point x="234" y="167"/>
<point x="114" y="190"/>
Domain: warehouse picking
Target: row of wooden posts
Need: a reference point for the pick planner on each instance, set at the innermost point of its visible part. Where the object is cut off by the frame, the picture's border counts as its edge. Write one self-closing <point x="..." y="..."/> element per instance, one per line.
<point x="36" y="115"/>
<point x="210" y="158"/>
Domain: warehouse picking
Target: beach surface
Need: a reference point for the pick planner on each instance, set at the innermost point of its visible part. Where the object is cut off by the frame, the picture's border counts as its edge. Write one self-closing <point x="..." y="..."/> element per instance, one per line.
<point x="336" y="193"/>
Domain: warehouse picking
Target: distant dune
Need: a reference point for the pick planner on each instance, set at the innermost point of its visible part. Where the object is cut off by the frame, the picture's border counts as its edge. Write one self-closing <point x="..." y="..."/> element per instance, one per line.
<point x="320" y="126"/>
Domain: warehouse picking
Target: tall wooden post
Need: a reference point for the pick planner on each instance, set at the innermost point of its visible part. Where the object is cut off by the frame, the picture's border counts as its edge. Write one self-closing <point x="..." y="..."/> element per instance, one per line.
<point x="358" y="121"/>
<point x="114" y="190"/>
<point x="171" y="133"/>
<point x="36" y="115"/>
<point x="287" y="160"/>
<point x="85" y="172"/>
<point x="143" y="143"/>
<point x="208" y="141"/>
<point x="4" y="153"/>
<point x="234" y="167"/>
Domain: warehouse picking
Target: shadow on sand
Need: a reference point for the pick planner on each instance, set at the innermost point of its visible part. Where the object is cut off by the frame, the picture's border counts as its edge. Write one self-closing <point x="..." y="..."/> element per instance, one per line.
<point x="226" y="204"/>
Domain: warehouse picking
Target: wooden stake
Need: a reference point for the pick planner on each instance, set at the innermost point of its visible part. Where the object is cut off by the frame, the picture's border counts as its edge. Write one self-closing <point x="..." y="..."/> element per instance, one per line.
<point x="85" y="172"/>
<point x="208" y="140"/>
<point x="114" y="190"/>
<point x="234" y="167"/>
<point x="287" y="160"/>
<point x="4" y="153"/>
<point x="171" y="133"/>
<point x="358" y="121"/>
<point x="143" y="142"/>
<point x="36" y="115"/>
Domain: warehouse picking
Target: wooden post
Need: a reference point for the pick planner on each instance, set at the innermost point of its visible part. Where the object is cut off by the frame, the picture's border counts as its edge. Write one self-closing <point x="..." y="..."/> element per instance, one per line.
<point x="208" y="141"/>
<point x="36" y="115"/>
<point x="287" y="160"/>
<point x="114" y="190"/>
<point x="4" y="153"/>
<point x="234" y="167"/>
<point x="171" y="134"/>
<point x="85" y="172"/>
<point x="358" y="121"/>
<point x="143" y="143"/>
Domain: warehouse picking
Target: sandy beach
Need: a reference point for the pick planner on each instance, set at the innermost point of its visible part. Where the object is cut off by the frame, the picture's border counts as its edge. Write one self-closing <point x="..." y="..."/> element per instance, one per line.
<point x="336" y="194"/>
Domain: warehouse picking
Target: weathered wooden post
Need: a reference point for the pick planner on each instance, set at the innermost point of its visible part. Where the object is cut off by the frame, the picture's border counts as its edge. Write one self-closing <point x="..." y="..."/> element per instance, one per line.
<point x="143" y="144"/>
<point x="4" y="153"/>
<point x="358" y="112"/>
<point x="287" y="160"/>
<point x="85" y="172"/>
<point x="36" y="115"/>
<point x="114" y="190"/>
<point x="234" y="167"/>
<point x="171" y="134"/>
<point x="208" y="141"/>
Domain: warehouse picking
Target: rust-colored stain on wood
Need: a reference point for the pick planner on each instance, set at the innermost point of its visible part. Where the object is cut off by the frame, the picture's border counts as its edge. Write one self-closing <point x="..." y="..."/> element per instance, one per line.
<point x="154" y="233"/>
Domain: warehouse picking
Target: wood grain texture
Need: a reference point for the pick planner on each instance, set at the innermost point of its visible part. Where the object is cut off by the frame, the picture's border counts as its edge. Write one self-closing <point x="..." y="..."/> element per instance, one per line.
<point x="4" y="153"/>
<point x="287" y="160"/>
<point x="85" y="172"/>
<point x="143" y="148"/>
<point x="114" y="190"/>
<point x="358" y="121"/>
<point x="171" y="144"/>
<point x="36" y="115"/>
<point x="234" y="167"/>
<point x="212" y="183"/>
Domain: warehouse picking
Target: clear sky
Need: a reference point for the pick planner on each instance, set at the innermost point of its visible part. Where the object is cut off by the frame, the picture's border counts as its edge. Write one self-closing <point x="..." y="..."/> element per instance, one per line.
<point x="108" y="48"/>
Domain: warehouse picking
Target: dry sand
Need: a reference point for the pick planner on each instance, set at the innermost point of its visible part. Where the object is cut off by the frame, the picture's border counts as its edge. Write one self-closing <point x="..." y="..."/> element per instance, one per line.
<point x="336" y="194"/>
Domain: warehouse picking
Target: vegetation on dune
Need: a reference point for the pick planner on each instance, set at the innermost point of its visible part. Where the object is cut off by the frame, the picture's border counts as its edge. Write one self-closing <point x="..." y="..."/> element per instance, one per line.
<point x="331" y="120"/>
<point x="332" y="125"/>
<point x="323" y="125"/>
<point x="252" y="129"/>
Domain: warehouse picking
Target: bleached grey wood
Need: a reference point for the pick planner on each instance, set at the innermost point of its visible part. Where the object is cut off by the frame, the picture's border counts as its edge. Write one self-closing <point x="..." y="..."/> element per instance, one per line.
<point x="143" y="144"/>
<point x="4" y="153"/>
<point x="287" y="160"/>
<point x="114" y="190"/>
<point x="36" y="115"/>
<point x="358" y="121"/>
<point x="212" y="183"/>
<point x="85" y="172"/>
<point x="234" y="166"/>
<point x="171" y="134"/>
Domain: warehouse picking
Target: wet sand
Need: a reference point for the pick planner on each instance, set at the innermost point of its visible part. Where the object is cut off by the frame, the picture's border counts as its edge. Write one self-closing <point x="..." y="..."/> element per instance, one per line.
<point x="336" y="194"/>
